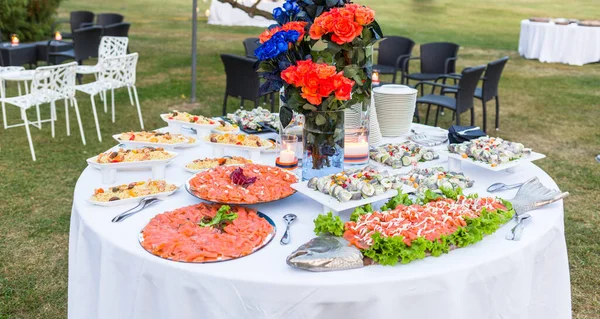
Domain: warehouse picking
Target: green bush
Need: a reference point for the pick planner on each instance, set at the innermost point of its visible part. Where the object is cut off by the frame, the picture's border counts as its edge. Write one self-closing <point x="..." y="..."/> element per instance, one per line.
<point x="31" y="20"/>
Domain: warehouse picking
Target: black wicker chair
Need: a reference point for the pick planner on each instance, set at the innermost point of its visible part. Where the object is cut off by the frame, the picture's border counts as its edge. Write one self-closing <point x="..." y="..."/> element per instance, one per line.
<point x="86" y="42"/>
<point x="120" y="29"/>
<point x="461" y="102"/>
<point x="393" y="52"/>
<point x="78" y="20"/>
<point x="489" y="88"/>
<point x="437" y="59"/>
<point x="250" y="44"/>
<point x="242" y="80"/>
<point x="104" y="19"/>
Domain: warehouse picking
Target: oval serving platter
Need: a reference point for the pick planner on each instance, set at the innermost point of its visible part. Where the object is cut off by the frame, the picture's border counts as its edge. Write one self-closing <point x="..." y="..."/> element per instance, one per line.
<point x="267" y="240"/>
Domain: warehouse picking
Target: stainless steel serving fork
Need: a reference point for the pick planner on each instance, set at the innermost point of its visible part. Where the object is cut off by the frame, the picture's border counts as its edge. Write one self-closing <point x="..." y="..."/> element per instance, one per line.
<point x="143" y="204"/>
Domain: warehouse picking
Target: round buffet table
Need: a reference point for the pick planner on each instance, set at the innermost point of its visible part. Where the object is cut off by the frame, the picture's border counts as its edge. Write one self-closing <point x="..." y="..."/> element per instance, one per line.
<point x="112" y="276"/>
<point x="570" y="44"/>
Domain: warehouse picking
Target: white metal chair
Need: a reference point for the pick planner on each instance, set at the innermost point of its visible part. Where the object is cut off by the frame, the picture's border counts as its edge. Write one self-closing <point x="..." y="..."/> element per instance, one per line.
<point x="109" y="47"/>
<point x="49" y="84"/>
<point x="17" y="74"/>
<point x="115" y="73"/>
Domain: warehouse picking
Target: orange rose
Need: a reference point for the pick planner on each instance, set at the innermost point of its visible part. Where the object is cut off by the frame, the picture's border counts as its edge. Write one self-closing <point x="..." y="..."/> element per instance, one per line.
<point x="326" y="87"/>
<point x="344" y="91"/>
<point x="311" y="80"/>
<point x="338" y="80"/>
<point x="290" y="76"/>
<point x="364" y="15"/>
<point x="311" y="95"/>
<point x="316" y="31"/>
<point x="345" y="31"/>
<point x="325" y="71"/>
<point x="346" y="14"/>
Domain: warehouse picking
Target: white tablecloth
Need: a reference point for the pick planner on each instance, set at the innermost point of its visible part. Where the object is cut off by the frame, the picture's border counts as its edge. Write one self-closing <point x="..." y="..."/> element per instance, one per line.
<point x="549" y="42"/>
<point x="112" y="276"/>
<point x="224" y="14"/>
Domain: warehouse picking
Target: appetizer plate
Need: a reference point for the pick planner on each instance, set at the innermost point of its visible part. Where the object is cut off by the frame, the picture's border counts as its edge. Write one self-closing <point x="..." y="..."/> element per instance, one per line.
<point x="163" y="145"/>
<point x="133" y="200"/>
<point x="235" y="131"/>
<point x="130" y="165"/>
<point x="265" y="128"/>
<point x="267" y="240"/>
<point x="332" y="204"/>
<point x="194" y="171"/>
<point x="457" y="159"/>
<point x="177" y="125"/>
<point x="219" y="149"/>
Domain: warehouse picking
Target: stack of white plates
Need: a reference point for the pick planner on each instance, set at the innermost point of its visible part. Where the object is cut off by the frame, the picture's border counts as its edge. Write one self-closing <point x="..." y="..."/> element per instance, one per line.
<point x="395" y="106"/>
<point x="375" y="132"/>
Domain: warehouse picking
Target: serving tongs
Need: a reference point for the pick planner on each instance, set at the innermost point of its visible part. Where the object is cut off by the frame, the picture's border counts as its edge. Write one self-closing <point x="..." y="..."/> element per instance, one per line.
<point x="426" y="140"/>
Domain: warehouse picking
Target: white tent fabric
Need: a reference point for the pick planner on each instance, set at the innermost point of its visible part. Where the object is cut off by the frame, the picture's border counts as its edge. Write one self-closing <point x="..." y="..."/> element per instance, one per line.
<point x="225" y="14"/>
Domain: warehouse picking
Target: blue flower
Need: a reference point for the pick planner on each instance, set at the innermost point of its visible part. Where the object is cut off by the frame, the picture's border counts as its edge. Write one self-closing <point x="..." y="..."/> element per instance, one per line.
<point x="277" y="13"/>
<point x="288" y="6"/>
<point x="276" y="45"/>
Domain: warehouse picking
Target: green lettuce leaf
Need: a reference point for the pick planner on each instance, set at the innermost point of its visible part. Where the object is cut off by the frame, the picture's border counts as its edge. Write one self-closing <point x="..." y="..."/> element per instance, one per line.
<point x="359" y="211"/>
<point x="399" y="199"/>
<point x="329" y="225"/>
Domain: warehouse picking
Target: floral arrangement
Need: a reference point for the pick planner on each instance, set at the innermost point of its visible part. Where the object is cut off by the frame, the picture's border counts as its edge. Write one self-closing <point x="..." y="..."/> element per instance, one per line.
<point x="320" y="53"/>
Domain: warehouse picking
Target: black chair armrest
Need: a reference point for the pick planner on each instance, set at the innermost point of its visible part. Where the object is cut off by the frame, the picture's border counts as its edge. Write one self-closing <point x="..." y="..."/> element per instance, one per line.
<point x="448" y="60"/>
<point x="405" y="66"/>
<point x="434" y="84"/>
<point x="398" y="66"/>
<point x="86" y="25"/>
<point x="448" y="76"/>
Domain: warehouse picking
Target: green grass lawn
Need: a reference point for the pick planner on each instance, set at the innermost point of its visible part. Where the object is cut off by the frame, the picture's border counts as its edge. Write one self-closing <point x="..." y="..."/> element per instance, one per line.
<point x="554" y="108"/>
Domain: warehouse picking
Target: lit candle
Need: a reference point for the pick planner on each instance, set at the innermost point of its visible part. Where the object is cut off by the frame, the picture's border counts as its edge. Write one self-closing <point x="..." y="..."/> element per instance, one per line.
<point x="287" y="156"/>
<point x="356" y="149"/>
<point x="375" y="78"/>
<point x="57" y="36"/>
<point x="14" y="40"/>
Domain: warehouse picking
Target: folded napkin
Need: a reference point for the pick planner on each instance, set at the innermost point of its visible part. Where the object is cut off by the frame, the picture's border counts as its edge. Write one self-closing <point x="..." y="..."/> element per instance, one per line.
<point x="454" y="137"/>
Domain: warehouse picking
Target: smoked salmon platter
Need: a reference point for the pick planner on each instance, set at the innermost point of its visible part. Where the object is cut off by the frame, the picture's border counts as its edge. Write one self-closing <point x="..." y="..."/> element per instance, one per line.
<point x="206" y="233"/>
<point x="247" y="184"/>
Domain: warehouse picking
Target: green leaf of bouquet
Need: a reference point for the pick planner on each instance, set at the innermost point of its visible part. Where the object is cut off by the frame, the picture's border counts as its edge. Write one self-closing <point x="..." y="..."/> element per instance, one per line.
<point x="320" y="120"/>
<point x="309" y="107"/>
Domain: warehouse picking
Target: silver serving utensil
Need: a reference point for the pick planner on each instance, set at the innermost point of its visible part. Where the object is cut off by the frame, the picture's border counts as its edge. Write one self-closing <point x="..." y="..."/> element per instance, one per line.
<point x="501" y="186"/>
<point x="143" y="204"/>
<point x="531" y="195"/>
<point x="515" y="232"/>
<point x="289" y="219"/>
<point x="463" y="132"/>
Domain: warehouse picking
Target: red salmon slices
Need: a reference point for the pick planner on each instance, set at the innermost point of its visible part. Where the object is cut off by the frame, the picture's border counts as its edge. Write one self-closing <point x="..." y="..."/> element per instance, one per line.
<point x="271" y="184"/>
<point x="176" y="235"/>
<point x="432" y="220"/>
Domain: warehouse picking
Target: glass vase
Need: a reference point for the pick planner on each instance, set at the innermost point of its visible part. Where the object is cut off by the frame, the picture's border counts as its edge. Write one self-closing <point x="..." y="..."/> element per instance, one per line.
<point x="356" y="135"/>
<point x="323" y="141"/>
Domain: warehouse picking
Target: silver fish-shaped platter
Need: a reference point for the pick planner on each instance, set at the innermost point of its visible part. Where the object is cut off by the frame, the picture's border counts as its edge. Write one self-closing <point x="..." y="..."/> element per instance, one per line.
<point x="326" y="253"/>
<point x="533" y="195"/>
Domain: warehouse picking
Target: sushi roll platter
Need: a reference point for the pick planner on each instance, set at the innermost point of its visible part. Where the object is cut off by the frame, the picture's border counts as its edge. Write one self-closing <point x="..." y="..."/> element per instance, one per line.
<point x="351" y="188"/>
<point x="492" y="153"/>
<point x="402" y="154"/>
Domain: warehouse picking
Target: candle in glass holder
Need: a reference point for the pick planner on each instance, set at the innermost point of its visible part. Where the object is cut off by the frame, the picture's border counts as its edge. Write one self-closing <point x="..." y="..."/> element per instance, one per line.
<point x="57" y="36"/>
<point x="356" y="152"/>
<point x="287" y="157"/>
<point x="375" y="78"/>
<point x="14" y="40"/>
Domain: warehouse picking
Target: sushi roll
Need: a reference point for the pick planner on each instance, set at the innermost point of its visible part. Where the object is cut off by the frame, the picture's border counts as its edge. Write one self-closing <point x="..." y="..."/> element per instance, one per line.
<point x="344" y="196"/>
<point x="386" y="183"/>
<point x="379" y="190"/>
<point x="312" y="183"/>
<point x="405" y="160"/>
<point x="357" y="195"/>
<point x="367" y="190"/>
<point x="428" y="156"/>
<point x="322" y="184"/>
<point x="336" y="190"/>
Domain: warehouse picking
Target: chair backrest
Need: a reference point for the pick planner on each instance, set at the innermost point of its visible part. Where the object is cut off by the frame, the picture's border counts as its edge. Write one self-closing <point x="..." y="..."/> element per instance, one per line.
<point x="434" y="56"/>
<point x="492" y="78"/>
<point x="117" y="30"/>
<point x="242" y="79"/>
<point x="86" y="42"/>
<point x="392" y="47"/>
<point x="79" y="17"/>
<point x="55" y="82"/>
<point x="250" y="44"/>
<point x="466" y="87"/>
<point x="105" y="19"/>
<point x="112" y="46"/>
<point x="119" y="71"/>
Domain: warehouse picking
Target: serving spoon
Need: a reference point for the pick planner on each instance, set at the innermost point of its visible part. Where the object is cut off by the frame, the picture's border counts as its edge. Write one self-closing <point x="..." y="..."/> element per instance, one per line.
<point x="501" y="186"/>
<point x="143" y="204"/>
<point x="289" y="219"/>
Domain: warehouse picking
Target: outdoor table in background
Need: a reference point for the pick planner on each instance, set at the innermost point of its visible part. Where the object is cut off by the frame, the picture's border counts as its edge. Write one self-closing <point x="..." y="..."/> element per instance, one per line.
<point x="31" y="53"/>
<point x="112" y="276"/>
<point x="570" y="44"/>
